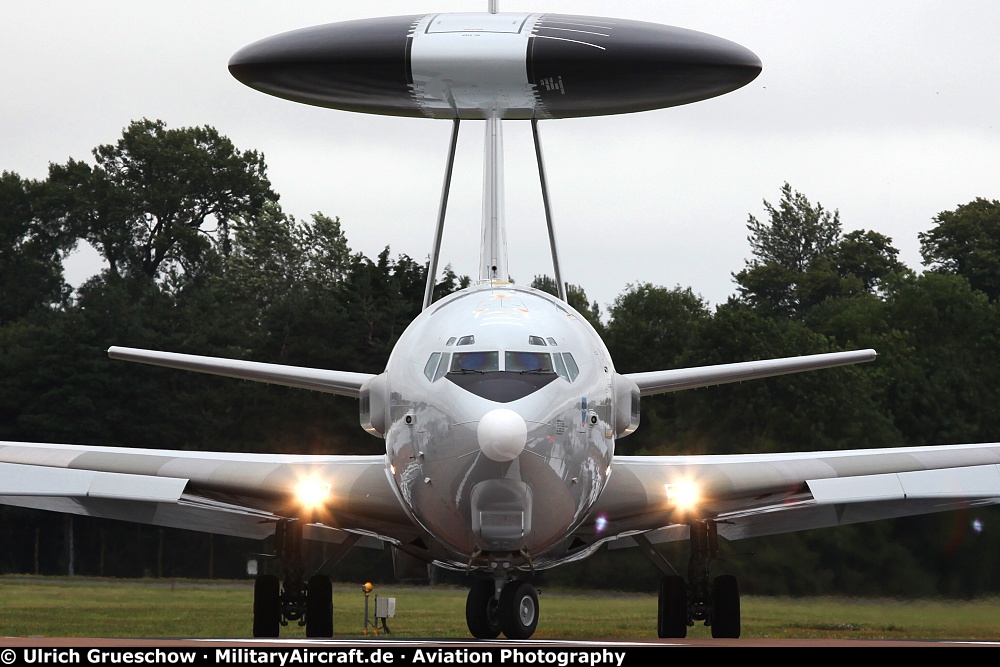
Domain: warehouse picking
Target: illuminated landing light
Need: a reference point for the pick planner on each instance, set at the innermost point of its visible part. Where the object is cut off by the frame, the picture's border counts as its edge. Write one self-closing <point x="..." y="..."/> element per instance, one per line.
<point x="312" y="493"/>
<point x="601" y="523"/>
<point x="683" y="495"/>
<point x="977" y="526"/>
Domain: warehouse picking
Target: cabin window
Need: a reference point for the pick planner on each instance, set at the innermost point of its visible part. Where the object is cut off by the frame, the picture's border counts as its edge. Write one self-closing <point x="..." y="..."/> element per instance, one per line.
<point x="431" y="366"/>
<point x="467" y="340"/>
<point x="571" y="366"/>
<point x="475" y="361"/>
<point x="536" y="340"/>
<point x="527" y="362"/>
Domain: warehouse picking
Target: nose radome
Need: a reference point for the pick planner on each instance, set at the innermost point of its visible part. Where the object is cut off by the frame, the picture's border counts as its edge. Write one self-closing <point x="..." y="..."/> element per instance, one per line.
<point x="502" y="434"/>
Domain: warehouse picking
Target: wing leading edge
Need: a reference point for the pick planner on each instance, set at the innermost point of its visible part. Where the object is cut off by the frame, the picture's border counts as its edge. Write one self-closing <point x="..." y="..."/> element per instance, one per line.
<point x="752" y="495"/>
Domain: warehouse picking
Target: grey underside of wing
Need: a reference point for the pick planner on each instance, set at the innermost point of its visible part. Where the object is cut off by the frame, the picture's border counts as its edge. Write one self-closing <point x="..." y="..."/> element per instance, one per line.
<point x="764" y="494"/>
<point x="230" y="494"/>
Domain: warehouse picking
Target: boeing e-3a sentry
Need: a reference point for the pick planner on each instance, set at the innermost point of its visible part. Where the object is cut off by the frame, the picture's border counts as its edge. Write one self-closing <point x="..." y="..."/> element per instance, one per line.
<point x="500" y="405"/>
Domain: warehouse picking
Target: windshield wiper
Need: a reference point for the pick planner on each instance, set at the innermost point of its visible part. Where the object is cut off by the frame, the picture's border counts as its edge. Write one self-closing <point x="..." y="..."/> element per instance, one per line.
<point x="538" y="371"/>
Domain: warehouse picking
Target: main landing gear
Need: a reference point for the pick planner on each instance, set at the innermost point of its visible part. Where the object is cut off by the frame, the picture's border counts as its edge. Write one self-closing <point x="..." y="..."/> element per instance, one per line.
<point x="496" y="605"/>
<point x="680" y="604"/>
<point x="310" y="603"/>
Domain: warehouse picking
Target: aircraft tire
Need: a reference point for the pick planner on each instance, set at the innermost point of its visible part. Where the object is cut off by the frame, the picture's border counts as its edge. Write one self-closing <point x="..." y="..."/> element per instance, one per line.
<point x="319" y="607"/>
<point x="672" y="612"/>
<point x="518" y="610"/>
<point x="481" y="610"/>
<point x="266" y="606"/>
<point x="725" y="607"/>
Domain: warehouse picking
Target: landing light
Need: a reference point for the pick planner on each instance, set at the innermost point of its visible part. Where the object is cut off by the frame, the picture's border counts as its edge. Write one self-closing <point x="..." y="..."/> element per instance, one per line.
<point x="683" y="495"/>
<point x="312" y="493"/>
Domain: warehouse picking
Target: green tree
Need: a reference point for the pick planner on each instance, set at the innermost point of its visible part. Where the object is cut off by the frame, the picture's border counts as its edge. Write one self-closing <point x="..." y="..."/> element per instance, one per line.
<point x="575" y="295"/>
<point x="450" y="282"/>
<point x="864" y="260"/>
<point x="31" y="251"/>
<point x="800" y="258"/>
<point x="966" y="242"/>
<point x="654" y="328"/>
<point x="940" y="355"/>
<point x="784" y="248"/>
<point x="158" y="199"/>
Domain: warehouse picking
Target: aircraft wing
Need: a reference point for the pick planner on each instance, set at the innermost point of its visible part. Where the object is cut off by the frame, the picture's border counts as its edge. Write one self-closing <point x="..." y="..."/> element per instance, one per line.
<point x="342" y="383"/>
<point x="230" y="494"/>
<point x="661" y="382"/>
<point x="750" y="495"/>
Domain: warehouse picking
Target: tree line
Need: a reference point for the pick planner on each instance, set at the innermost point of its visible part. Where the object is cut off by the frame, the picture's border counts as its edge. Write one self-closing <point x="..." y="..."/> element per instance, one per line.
<point x="201" y="258"/>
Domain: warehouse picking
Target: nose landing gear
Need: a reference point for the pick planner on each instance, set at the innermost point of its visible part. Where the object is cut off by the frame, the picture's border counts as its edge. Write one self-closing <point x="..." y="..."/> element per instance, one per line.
<point x="497" y="605"/>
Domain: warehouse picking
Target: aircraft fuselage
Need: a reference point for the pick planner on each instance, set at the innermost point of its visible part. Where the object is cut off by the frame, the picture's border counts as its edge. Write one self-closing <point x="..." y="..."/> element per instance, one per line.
<point x="498" y="408"/>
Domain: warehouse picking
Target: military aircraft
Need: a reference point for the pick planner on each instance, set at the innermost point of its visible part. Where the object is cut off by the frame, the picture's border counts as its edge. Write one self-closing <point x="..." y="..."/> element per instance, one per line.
<point x="500" y="405"/>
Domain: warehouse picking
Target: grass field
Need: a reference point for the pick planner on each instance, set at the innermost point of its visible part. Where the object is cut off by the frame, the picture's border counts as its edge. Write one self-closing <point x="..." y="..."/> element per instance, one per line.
<point x="59" y="607"/>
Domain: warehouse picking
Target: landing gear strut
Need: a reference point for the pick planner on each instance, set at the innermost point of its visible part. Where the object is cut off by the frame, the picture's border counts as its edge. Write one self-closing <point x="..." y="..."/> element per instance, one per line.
<point x="717" y="602"/>
<point x="494" y="607"/>
<point x="310" y="603"/>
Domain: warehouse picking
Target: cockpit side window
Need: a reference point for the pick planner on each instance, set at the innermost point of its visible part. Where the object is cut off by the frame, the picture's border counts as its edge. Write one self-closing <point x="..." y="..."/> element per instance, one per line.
<point x="442" y="367"/>
<point x="536" y="340"/>
<point x="561" y="367"/>
<point x="527" y="362"/>
<point x="451" y="341"/>
<point x="552" y="341"/>
<point x="475" y="361"/>
<point x="571" y="366"/>
<point x="431" y="365"/>
<point x="466" y="340"/>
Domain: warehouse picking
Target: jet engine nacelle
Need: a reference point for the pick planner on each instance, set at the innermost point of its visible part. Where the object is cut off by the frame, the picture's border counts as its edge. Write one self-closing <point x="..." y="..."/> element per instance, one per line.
<point x="373" y="404"/>
<point x="626" y="406"/>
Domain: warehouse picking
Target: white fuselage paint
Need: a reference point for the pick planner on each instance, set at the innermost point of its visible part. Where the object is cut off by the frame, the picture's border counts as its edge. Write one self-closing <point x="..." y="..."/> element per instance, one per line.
<point x="494" y="479"/>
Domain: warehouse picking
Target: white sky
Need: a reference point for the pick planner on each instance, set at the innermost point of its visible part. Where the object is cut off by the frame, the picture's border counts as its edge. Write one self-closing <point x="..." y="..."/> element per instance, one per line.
<point x="886" y="110"/>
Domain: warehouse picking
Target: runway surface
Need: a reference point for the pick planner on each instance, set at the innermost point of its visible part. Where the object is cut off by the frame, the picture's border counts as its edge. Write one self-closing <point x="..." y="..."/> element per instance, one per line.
<point x="68" y="642"/>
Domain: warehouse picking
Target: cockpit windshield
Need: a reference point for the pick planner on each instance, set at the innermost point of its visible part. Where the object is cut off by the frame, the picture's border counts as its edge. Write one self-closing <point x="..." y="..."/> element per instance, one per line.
<point x="480" y="362"/>
<point x="475" y="362"/>
<point x="527" y="362"/>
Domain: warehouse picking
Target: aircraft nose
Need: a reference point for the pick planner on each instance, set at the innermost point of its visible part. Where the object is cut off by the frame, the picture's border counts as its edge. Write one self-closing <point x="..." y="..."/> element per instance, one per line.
<point x="502" y="434"/>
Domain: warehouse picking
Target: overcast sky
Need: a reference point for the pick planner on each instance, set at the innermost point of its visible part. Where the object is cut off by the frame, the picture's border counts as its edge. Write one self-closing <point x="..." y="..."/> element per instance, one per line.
<point x="888" y="111"/>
